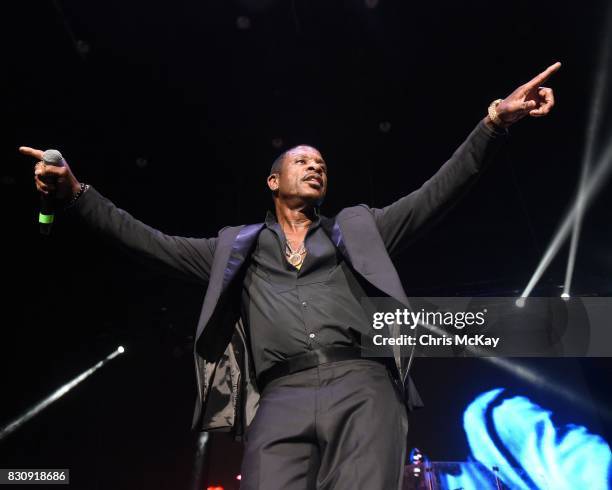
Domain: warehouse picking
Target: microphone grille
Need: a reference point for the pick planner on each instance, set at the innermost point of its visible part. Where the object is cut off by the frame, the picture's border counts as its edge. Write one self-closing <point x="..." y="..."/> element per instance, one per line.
<point x="53" y="157"/>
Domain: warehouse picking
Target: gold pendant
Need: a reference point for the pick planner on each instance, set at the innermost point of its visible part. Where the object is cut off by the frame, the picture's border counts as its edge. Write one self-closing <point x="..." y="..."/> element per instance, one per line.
<point x="295" y="259"/>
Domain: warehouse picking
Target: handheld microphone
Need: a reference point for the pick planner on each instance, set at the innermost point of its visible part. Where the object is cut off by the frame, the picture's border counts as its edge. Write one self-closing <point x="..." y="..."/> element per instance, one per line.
<point x="47" y="203"/>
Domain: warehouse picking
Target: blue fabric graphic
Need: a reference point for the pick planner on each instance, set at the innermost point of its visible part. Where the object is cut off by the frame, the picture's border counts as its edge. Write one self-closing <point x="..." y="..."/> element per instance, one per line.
<point x="519" y="438"/>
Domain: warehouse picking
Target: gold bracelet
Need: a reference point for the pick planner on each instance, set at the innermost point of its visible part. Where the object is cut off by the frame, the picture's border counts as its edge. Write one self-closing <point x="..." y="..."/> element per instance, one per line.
<point x="493" y="113"/>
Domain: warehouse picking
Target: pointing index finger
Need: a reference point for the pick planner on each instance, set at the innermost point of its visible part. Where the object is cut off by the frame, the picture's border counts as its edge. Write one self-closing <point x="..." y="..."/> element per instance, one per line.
<point x="542" y="77"/>
<point x="31" y="152"/>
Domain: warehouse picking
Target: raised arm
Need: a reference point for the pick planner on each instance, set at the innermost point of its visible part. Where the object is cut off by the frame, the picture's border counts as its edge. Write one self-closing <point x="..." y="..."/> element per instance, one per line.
<point x="402" y="221"/>
<point x="188" y="258"/>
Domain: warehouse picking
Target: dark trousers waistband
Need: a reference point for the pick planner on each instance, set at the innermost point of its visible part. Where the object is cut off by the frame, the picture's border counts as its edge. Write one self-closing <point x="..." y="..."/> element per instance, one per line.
<point x="310" y="360"/>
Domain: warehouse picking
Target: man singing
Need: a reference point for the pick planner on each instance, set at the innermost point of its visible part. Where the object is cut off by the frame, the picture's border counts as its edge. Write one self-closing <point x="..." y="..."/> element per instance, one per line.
<point x="277" y="346"/>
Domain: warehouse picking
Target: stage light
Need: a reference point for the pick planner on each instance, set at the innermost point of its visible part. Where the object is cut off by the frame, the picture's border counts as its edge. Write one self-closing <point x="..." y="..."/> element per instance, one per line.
<point x="415" y="456"/>
<point x="592" y="187"/>
<point x="120" y="349"/>
<point x="384" y="126"/>
<point x="588" y="185"/>
<point x="243" y="23"/>
<point x="525" y="373"/>
<point x="597" y="102"/>
<point x="198" y="461"/>
<point x="522" y="372"/>
<point x="82" y="47"/>
<point x="56" y="395"/>
<point x="238" y="477"/>
<point x="565" y="296"/>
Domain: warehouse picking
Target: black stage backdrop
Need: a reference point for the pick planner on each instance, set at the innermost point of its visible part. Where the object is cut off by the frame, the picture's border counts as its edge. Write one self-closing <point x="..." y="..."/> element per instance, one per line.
<point x="175" y="112"/>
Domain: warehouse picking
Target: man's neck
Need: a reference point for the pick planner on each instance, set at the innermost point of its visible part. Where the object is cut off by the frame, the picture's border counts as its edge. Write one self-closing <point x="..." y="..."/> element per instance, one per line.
<point x="294" y="220"/>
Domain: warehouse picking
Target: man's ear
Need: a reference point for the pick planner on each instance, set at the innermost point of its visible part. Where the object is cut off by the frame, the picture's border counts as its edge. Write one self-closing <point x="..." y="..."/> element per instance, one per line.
<point x="273" y="182"/>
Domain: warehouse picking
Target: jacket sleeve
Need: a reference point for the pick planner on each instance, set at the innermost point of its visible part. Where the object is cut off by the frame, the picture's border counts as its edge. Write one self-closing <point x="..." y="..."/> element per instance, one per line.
<point x="187" y="258"/>
<point x="400" y="222"/>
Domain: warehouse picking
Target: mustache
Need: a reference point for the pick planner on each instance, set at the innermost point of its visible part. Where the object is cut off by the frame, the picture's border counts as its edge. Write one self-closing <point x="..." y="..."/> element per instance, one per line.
<point x="313" y="175"/>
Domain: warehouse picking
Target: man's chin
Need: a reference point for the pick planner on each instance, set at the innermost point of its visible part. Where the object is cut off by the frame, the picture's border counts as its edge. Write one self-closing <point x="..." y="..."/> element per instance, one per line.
<point x="314" y="198"/>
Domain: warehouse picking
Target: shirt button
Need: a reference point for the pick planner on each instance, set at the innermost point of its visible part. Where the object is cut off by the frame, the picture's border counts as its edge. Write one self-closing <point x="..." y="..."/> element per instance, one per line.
<point x="304" y="304"/>
<point x="312" y="335"/>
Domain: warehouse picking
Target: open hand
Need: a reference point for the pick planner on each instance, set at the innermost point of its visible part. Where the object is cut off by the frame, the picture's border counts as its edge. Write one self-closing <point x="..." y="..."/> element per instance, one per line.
<point x="530" y="99"/>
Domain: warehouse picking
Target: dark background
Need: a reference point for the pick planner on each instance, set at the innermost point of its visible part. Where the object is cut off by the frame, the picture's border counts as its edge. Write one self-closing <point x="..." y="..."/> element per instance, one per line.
<point x="175" y="111"/>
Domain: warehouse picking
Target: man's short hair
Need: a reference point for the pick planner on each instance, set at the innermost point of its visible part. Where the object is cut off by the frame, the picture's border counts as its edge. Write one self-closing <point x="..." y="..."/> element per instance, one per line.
<point x="278" y="163"/>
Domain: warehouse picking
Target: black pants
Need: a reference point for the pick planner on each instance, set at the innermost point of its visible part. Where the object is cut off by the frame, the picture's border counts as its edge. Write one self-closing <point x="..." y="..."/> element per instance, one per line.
<point x="337" y="426"/>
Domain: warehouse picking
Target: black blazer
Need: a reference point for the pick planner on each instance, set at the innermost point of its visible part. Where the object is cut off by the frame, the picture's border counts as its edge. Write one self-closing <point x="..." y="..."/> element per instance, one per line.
<point x="367" y="237"/>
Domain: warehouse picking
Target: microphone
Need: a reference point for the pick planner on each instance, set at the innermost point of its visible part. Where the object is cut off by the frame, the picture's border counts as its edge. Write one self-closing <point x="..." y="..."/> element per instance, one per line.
<point x="47" y="203"/>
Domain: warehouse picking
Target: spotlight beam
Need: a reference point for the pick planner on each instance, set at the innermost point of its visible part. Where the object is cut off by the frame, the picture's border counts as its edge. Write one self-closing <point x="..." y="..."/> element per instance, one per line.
<point x="531" y="376"/>
<point x="597" y="102"/>
<point x="525" y="373"/>
<point x="56" y="395"/>
<point x="591" y="188"/>
<point x="197" y="475"/>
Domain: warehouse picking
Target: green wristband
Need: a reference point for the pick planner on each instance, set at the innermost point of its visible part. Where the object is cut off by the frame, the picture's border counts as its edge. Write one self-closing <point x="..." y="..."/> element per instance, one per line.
<point x="45" y="219"/>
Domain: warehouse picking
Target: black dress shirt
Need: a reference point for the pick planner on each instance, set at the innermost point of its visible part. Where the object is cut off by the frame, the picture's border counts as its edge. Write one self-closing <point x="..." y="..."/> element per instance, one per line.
<point x="290" y="311"/>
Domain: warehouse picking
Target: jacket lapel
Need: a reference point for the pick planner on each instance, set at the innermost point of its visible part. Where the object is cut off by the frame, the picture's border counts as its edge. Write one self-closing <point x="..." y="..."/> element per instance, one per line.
<point x="232" y="250"/>
<point x="383" y="276"/>
<point x="366" y="253"/>
<point x="330" y="226"/>
<point x="241" y="248"/>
